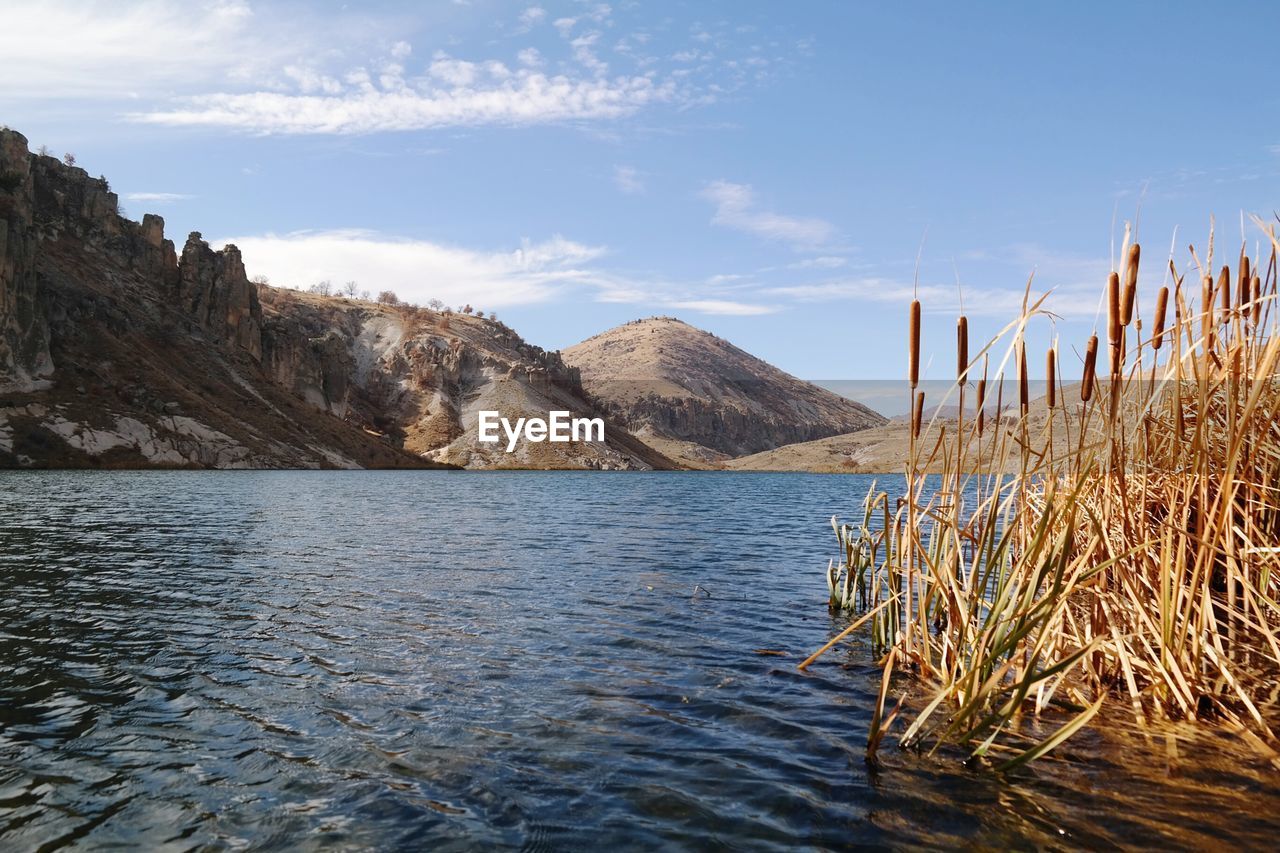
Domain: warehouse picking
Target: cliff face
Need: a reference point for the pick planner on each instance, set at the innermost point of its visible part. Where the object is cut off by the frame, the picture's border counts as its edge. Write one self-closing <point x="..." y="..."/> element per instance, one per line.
<point x="114" y="353"/>
<point x="24" y="335"/>
<point x="214" y="290"/>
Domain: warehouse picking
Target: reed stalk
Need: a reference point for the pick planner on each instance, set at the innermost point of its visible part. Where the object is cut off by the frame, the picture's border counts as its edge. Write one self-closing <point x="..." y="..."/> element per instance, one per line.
<point x="1136" y="568"/>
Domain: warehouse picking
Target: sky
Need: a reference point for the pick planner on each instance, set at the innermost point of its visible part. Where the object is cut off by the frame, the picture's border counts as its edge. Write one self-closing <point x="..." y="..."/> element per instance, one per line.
<point x="786" y="175"/>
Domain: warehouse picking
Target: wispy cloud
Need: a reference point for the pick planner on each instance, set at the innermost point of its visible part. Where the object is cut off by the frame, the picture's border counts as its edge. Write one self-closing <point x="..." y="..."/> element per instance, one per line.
<point x="158" y="198"/>
<point x="1071" y="300"/>
<point x="724" y="307"/>
<point x="419" y="270"/>
<point x="628" y="180"/>
<point x="263" y="70"/>
<point x="522" y="98"/>
<point x="62" y="49"/>
<point x="532" y="16"/>
<point x="736" y="208"/>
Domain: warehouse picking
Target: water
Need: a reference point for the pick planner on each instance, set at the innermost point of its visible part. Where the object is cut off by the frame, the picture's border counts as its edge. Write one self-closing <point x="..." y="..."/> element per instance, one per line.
<point x="399" y="660"/>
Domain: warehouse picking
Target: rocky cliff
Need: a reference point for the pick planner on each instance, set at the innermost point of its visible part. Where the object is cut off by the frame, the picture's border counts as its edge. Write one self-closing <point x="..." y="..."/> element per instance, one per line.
<point x="117" y="351"/>
<point x="703" y="400"/>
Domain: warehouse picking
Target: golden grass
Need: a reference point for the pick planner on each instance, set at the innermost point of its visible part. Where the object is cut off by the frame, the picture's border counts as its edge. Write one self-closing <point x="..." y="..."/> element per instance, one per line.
<point x="1140" y="569"/>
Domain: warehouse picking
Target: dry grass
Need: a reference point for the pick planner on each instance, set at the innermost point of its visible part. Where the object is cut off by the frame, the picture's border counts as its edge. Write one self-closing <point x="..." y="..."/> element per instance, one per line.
<point x="1139" y="568"/>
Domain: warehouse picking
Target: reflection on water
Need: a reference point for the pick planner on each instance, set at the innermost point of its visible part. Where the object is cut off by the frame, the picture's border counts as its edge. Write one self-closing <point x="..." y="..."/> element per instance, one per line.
<point x="404" y="659"/>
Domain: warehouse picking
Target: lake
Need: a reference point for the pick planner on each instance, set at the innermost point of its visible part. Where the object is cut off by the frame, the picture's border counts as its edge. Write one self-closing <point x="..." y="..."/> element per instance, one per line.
<point x="536" y="660"/>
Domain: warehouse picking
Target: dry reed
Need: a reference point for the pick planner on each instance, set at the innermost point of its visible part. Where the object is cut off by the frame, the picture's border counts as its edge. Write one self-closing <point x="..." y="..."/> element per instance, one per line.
<point x="1140" y="569"/>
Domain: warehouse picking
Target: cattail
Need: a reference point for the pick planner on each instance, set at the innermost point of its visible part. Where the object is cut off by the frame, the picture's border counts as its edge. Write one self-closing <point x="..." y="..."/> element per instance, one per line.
<point x="1245" y="277"/>
<point x="913" y="357"/>
<point x="1162" y="306"/>
<point x="1246" y="284"/>
<point x="1224" y="288"/>
<point x="962" y="347"/>
<point x="1113" y="310"/>
<point x="1024" y="388"/>
<point x="1130" y="285"/>
<point x="1050" y="372"/>
<point x="1257" y="300"/>
<point x="982" y="402"/>
<point x="917" y="415"/>
<point x="1090" y="368"/>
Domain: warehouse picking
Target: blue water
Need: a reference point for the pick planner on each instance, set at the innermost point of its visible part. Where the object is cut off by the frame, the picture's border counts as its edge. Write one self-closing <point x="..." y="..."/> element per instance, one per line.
<point x="406" y="660"/>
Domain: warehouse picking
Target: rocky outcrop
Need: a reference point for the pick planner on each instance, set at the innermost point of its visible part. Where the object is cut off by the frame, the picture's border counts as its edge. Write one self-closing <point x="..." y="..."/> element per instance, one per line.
<point x="24" y="334"/>
<point x="214" y="289"/>
<point x="420" y="377"/>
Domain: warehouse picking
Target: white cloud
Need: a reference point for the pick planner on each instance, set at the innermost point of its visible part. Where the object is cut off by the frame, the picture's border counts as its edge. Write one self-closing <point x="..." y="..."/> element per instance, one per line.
<point x="532" y="16"/>
<point x="158" y="198"/>
<point x="63" y="49"/>
<point x="826" y="262"/>
<point x="628" y="180"/>
<point x="736" y="208"/>
<point x="724" y="307"/>
<point x="523" y="98"/>
<point x="419" y="270"/>
<point x="1074" y="301"/>
<point x="221" y="64"/>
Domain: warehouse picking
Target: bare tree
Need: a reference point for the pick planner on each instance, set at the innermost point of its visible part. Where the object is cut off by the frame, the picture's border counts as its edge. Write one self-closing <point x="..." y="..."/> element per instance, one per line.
<point x="43" y="151"/>
<point x="466" y="309"/>
<point x="69" y="159"/>
<point x="435" y="304"/>
<point x="321" y="288"/>
<point x="364" y="296"/>
<point x="351" y="289"/>
<point x="260" y="279"/>
<point x="480" y="314"/>
<point x="388" y="297"/>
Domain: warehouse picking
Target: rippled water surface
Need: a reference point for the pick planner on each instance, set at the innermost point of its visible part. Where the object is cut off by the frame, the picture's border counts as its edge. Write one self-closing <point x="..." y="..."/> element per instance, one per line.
<point x="404" y="660"/>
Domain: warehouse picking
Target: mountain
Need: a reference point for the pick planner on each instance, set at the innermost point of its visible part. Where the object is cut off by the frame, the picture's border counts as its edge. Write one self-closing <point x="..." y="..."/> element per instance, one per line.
<point x="118" y="351"/>
<point x="700" y="399"/>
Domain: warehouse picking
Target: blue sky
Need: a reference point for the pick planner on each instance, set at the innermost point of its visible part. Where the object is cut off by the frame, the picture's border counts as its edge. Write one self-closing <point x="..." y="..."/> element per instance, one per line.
<point x="767" y="171"/>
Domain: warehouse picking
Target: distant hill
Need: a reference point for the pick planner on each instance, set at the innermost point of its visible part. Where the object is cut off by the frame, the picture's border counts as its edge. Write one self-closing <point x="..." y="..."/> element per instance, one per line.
<point x="700" y="399"/>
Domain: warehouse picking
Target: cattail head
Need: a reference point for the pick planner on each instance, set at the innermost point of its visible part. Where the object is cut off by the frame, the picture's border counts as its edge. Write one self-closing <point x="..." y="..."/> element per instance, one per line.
<point x="1024" y="387"/>
<point x="1050" y="373"/>
<point x="917" y="414"/>
<point x="1113" y="310"/>
<point x="1246" y="287"/>
<point x="1130" y="285"/>
<point x="1224" y="288"/>
<point x="913" y="353"/>
<point x="982" y="403"/>
<point x="1090" y="369"/>
<point x="1257" y="300"/>
<point x="1162" y="305"/>
<point x="962" y="347"/>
